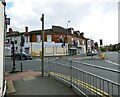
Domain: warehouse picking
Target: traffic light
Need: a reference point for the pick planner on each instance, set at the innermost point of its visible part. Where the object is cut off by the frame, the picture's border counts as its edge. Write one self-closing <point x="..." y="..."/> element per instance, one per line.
<point x="96" y="44"/>
<point x="101" y="43"/>
<point x="22" y="40"/>
<point x="12" y="48"/>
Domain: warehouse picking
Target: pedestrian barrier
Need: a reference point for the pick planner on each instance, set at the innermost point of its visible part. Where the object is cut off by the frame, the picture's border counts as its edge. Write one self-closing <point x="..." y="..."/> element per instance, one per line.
<point x="85" y="82"/>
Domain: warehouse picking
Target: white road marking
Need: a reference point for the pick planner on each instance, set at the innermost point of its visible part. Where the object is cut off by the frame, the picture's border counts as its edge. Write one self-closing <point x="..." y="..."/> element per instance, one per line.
<point x="113" y="62"/>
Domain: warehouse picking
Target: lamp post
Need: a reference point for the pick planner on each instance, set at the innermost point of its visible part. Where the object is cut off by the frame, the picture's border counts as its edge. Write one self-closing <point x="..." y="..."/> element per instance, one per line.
<point x="67" y="38"/>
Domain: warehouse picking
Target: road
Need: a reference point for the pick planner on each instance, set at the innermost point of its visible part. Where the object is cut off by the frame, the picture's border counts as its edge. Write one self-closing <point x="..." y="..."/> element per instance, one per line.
<point x="111" y="63"/>
<point x="113" y="56"/>
<point x="35" y="64"/>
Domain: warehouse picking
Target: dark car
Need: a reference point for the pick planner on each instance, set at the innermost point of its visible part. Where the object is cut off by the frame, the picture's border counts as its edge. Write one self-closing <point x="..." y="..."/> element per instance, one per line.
<point x="94" y="52"/>
<point x="90" y="54"/>
<point x="24" y="56"/>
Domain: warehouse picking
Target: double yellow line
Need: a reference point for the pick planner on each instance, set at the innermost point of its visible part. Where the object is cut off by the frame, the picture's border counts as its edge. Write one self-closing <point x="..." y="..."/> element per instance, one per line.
<point x="83" y="84"/>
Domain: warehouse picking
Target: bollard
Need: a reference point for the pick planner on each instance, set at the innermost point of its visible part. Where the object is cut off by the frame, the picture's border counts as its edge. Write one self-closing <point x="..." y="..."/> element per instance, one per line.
<point x="40" y="54"/>
<point x="103" y="56"/>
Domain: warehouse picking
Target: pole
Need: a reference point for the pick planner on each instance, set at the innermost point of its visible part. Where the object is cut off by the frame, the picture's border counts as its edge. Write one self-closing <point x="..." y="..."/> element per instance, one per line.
<point x="42" y="19"/>
<point x="67" y="39"/>
<point x="21" y="53"/>
<point x="13" y="56"/>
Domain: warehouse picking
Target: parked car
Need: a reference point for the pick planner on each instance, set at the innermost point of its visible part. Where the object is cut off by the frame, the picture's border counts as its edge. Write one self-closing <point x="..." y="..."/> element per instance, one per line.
<point x="25" y="56"/>
<point x="94" y="52"/>
<point x="118" y="51"/>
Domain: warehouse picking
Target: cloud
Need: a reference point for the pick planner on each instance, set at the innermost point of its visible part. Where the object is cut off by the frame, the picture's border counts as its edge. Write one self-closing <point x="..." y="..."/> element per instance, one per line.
<point x="90" y="17"/>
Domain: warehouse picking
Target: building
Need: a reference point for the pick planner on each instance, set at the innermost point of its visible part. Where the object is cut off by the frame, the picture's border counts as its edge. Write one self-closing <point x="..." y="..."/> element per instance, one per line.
<point x="2" y="39"/>
<point x="12" y="36"/>
<point x="57" y="41"/>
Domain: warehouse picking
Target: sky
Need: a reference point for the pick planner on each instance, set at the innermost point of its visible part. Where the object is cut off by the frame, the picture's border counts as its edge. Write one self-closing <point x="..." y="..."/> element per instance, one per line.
<point x="98" y="19"/>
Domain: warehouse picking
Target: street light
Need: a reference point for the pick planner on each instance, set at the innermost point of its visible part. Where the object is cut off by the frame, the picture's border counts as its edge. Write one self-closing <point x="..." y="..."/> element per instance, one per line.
<point x="67" y="38"/>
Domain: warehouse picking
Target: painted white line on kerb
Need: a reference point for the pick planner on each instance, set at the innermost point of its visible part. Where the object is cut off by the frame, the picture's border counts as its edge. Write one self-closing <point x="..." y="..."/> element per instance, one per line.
<point x="113" y="62"/>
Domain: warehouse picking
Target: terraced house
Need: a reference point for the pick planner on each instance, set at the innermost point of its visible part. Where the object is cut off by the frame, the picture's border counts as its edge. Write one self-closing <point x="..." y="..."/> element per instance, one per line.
<point x="57" y="41"/>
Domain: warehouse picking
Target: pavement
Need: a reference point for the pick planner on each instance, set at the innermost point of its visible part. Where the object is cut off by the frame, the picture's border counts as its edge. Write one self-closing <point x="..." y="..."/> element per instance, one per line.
<point x="32" y="83"/>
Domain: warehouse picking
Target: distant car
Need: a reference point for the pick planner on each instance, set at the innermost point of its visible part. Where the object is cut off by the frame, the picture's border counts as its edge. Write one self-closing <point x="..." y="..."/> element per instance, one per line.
<point x="94" y="52"/>
<point x="25" y="56"/>
<point x="91" y="53"/>
<point x="118" y="51"/>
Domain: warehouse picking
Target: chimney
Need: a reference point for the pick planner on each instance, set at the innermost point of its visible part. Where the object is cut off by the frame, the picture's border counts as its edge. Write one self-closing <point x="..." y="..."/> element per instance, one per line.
<point x="10" y="30"/>
<point x="26" y="29"/>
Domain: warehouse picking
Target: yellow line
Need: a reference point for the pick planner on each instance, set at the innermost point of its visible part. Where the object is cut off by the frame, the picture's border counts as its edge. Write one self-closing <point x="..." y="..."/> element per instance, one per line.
<point x="83" y="84"/>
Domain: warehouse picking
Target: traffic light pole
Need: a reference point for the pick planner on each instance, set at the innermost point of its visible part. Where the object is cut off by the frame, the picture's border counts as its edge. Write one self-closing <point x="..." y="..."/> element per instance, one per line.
<point x="21" y="54"/>
<point x="42" y="19"/>
<point x="13" y="58"/>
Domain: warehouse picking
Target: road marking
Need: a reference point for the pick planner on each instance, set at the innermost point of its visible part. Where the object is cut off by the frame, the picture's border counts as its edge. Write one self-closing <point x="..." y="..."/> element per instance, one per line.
<point x="10" y="87"/>
<point x="93" y="57"/>
<point x="113" y="62"/>
<point x="83" y="84"/>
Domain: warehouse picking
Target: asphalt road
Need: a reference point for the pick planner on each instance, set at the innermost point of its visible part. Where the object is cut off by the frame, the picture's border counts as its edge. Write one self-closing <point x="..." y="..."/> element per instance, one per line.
<point x="35" y="64"/>
<point x="113" y="56"/>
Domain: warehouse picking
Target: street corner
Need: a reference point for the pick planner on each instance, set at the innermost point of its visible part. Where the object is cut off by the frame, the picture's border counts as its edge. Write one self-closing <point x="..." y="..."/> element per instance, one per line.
<point x="21" y="75"/>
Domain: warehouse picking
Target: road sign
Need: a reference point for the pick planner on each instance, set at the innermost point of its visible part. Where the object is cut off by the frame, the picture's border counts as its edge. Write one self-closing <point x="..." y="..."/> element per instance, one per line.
<point x="8" y="21"/>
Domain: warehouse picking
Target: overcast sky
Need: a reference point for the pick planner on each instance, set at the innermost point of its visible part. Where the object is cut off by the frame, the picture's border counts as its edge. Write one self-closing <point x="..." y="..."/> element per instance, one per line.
<point x="98" y="20"/>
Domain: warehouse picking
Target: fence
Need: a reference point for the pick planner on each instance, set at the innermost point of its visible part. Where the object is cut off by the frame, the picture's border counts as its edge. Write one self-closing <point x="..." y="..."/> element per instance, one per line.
<point x="85" y="82"/>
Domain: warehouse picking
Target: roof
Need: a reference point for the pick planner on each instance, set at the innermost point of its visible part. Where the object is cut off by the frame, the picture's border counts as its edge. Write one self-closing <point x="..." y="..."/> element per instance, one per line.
<point x="54" y="30"/>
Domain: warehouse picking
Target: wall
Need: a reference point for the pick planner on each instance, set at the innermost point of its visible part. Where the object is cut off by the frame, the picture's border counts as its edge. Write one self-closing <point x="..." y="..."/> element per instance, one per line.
<point x="1" y="45"/>
<point x="50" y="49"/>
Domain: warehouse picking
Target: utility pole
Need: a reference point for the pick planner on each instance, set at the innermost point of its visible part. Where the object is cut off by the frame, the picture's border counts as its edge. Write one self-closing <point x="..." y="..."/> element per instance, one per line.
<point x="42" y="19"/>
<point x="67" y="40"/>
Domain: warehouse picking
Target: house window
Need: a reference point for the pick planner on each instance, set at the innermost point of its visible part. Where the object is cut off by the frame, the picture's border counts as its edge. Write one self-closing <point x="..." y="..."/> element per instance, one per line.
<point x="49" y="38"/>
<point x="7" y="41"/>
<point x="72" y="31"/>
<point x="26" y="39"/>
<point x="83" y="43"/>
<point x="16" y="48"/>
<point x="38" y="38"/>
<point x="15" y="40"/>
<point x="78" y="42"/>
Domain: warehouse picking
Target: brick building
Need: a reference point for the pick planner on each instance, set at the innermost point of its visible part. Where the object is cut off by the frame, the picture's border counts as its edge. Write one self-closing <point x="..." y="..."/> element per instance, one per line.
<point x="58" y="41"/>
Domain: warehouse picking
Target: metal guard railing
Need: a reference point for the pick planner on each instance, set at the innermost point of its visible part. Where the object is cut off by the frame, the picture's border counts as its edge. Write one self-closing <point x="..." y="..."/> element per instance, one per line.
<point x="85" y="82"/>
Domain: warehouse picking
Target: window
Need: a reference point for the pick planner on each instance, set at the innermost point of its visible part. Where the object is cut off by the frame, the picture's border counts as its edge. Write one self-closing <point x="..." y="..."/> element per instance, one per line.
<point x="83" y="43"/>
<point x="26" y="39"/>
<point x="49" y="38"/>
<point x="72" y="31"/>
<point x="15" y="39"/>
<point x="78" y="42"/>
<point x="38" y="38"/>
<point x="7" y="41"/>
